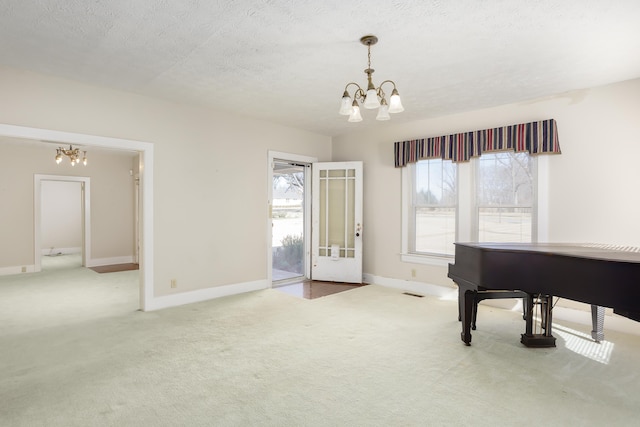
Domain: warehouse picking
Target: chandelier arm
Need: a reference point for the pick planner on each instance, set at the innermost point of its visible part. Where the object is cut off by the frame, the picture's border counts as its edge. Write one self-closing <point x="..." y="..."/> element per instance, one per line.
<point x="360" y="94"/>
<point x="381" y="92"/>
<point x="351" y="83"/>
<point x="357" y="93"/>
<point x="387" y="81"/>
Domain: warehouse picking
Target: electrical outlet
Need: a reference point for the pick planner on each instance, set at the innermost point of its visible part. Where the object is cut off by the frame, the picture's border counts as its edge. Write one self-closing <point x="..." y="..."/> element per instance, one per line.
<point x="413" y="272"/>
<point x="24" y="269"/>
<point x="174" y="283"/>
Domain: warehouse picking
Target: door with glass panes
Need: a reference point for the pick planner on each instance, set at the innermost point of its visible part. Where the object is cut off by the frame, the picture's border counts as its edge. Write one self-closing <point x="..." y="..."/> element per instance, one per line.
<point x="336" y="249"/>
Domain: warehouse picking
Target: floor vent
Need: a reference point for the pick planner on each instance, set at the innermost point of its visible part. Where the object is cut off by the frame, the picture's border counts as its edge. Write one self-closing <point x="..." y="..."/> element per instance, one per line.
<point x="412" y="295"/>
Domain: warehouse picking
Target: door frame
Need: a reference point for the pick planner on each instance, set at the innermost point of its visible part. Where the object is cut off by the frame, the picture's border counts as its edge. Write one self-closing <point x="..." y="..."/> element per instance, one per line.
<point x="85" y="191"/>
<point x="146" y="181"/>
<point x="289" y="157"/>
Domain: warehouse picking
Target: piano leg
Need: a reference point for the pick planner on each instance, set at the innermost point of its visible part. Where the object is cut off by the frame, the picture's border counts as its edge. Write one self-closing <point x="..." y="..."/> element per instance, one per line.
<point x="474" y="313"/>
<point x="468" y="299"/>
<point x="597" y="321"/>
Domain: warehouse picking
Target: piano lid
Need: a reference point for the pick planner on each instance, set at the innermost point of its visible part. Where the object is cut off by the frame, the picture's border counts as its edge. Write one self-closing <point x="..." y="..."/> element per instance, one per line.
<point x="581" y="250"/>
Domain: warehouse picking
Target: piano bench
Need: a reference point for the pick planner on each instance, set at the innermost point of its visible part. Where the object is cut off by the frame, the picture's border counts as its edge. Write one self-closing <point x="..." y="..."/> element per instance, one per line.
<point x="482" y="295"/>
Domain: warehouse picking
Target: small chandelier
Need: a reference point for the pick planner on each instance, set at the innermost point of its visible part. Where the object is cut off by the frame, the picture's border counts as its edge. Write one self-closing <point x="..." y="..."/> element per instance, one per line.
<point x="72" y="153"/>
<point x="374" y="97"/>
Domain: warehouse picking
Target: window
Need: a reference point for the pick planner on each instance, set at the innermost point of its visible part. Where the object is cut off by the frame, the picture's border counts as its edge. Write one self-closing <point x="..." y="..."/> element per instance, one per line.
<point x="492" y="198"/>
<point x="434" y="207"/>
<point x="504" y="197"/>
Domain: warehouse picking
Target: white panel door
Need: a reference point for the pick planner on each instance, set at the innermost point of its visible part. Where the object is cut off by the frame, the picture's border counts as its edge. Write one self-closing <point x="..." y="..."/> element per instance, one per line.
<point x="336" y="247"/>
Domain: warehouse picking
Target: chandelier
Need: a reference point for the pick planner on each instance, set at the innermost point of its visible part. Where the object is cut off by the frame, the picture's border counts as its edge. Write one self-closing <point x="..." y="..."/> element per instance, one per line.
<point x="72" y="153"/>
<point x="373" y="97"/>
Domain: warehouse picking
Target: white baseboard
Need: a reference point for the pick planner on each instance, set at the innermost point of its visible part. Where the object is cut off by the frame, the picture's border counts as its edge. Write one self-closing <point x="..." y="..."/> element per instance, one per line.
<point x="18" y="269"/>
<point x="419" y="288"/>
<point x="60" y="251"/>
<point x="97" y="262"/>
<point x="611" y="322"/>
<point x="200" y="295"/>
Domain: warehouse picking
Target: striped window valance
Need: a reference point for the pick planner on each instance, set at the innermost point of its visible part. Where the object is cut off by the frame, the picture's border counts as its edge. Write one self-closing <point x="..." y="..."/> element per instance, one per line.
<point x="534" y="137"/>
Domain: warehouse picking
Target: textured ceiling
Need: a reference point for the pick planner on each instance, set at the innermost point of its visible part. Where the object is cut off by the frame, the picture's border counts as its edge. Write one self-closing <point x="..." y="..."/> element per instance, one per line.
<point x="288" y="61"/>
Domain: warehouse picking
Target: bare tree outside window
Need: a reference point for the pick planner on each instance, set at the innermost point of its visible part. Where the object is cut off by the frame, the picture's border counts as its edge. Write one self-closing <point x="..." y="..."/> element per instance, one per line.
<point x="498" y="189"/>
<point x="291" y="182"/>
<point x="504" y="197"/>
<point x="287" y="219"/>
<point x="434" y="207"/>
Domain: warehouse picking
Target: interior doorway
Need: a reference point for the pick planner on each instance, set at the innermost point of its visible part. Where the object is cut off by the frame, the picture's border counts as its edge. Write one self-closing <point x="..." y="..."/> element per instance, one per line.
<point x="147" y="300"/>
<point x="61" y="222"/>
<point x="62" y="217"/>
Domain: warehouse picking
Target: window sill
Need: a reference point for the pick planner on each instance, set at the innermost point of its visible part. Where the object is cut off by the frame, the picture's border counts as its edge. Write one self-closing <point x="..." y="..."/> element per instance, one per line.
<point x="441" y="261"/>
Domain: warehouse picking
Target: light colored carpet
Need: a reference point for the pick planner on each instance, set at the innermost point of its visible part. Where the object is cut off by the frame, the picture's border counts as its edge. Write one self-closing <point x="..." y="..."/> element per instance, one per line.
<point x="74" y="356"/>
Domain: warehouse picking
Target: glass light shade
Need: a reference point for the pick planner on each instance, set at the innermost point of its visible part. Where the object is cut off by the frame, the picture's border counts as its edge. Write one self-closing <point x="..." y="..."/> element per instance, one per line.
<point x="355" y="115"/>
<point x="345" y="105"/>
<point x="371" y="100"/>
<point x="395" y="104"/>
<point x="58" y="158"/>
<point x="383" y="112"/>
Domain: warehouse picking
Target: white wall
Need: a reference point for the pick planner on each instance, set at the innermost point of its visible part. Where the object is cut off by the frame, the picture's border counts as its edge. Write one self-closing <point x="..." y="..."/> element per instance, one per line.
<point x="210" y="171"/>
<point x="61" y="216"/>
<point x="210" y="168"/>
<point x="593" y="194"/>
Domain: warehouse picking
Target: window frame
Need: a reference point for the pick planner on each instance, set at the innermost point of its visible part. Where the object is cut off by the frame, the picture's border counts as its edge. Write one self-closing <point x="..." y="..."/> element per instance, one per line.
<point x="413" y="214"/>
<point x="466" y="212"/>
<point x="534" y="206"/>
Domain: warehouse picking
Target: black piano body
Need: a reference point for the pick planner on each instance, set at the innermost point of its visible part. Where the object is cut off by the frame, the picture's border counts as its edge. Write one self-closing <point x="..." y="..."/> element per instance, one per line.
<point x="600" y="275"/>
